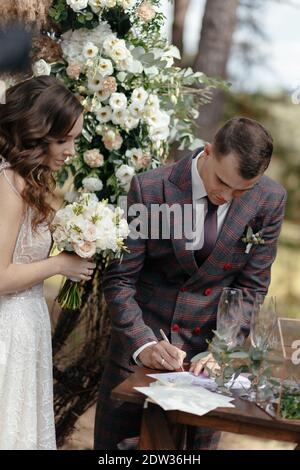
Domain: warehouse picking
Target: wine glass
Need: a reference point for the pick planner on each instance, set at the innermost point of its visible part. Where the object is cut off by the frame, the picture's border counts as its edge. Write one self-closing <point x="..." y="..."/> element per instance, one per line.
<point x="229" y="315"/>
<point x="264" y="337"/>
<point x="263" y="323"/>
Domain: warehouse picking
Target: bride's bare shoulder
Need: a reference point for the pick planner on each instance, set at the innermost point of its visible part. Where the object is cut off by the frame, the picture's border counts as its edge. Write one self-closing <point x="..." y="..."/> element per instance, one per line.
<point x="14" y="180"/>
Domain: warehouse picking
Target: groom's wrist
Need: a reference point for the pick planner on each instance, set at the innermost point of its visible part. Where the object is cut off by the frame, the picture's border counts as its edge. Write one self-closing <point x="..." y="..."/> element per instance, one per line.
<point x="138" y="351"/>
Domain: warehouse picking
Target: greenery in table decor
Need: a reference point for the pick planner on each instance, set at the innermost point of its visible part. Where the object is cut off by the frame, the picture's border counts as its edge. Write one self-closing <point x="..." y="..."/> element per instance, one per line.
<point x="290" y="401"/>
<point x="232" y="361"/>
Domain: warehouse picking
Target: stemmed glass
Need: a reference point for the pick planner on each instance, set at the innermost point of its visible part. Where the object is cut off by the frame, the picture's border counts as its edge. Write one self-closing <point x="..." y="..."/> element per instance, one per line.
<point x="229" y="315"/>
<point x="229" y="318"/>
<point x="264" y="339"/>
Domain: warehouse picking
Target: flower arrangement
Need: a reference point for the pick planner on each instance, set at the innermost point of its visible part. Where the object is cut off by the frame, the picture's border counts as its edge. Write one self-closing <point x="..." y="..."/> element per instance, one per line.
<point x="89" y="228"/>
<point x="136" y="101"/>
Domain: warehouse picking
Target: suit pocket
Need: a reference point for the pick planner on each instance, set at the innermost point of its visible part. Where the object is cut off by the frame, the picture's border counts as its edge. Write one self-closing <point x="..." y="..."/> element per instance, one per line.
<point x="144" y="293"/>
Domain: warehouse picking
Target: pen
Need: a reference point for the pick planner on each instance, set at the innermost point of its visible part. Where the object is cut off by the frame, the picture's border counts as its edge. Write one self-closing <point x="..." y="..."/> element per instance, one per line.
<point x="167" y="340"/>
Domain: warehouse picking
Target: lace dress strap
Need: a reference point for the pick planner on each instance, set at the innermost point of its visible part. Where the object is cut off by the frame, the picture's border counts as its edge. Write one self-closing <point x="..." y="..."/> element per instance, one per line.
<point x="4" y="164"/>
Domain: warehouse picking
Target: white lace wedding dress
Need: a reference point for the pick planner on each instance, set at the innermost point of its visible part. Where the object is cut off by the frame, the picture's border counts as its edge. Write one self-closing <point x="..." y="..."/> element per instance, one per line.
<point x="26" y="386"/>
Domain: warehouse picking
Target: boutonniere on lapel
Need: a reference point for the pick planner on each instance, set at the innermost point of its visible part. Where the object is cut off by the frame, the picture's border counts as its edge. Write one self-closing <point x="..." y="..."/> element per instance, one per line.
<point x="252" y="238"/>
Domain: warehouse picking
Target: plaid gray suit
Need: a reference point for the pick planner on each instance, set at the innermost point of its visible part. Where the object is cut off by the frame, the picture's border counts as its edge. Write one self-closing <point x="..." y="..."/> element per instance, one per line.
<point x="159" y="285"/>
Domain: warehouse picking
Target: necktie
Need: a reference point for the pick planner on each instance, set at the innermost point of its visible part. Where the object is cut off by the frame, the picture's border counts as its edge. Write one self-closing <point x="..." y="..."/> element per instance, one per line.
<point x="210" y="233"/>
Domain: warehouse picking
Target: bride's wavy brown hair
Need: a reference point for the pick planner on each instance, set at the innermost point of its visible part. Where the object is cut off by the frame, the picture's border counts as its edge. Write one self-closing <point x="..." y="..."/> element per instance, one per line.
<point x="37" y="112"/>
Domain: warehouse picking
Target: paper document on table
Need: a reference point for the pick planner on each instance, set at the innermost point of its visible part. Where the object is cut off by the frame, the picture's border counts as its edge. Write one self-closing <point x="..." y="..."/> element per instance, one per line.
<point x="191" y="399"/>
<point x="187" y="378"/>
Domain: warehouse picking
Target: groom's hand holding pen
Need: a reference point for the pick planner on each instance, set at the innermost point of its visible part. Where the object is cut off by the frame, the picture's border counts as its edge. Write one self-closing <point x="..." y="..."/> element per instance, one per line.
<point x="162" y="355"/>
<point x="164" y="336"/>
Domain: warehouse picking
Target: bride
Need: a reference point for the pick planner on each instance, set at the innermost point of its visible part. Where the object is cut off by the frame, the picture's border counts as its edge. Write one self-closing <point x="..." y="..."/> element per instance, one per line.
<point x="38" y="125"/>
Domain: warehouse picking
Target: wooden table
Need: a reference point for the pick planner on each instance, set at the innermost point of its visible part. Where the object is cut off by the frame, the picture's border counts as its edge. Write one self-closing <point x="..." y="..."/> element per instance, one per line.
<point x="162" y="430"/>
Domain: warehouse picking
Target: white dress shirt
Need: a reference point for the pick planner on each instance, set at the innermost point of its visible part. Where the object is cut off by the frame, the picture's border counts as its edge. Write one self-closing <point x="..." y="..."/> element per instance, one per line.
<point x="199" y="212"/>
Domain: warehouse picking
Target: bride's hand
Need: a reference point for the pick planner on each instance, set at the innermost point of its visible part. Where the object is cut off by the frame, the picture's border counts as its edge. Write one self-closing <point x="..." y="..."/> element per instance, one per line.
<point x="74" y="267"/>
<point x="207" y="366"/>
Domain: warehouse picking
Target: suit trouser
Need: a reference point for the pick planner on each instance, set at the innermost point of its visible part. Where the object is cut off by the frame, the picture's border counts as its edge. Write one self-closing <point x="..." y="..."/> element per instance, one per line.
<point x="116" y="421"/>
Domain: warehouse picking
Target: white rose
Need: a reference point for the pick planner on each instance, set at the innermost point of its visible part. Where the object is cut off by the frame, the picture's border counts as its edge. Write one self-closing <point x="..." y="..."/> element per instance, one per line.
<point x="118" y="116"/>
<point x="130" y="123"/>
<point x="90" y="232"/>
<point x="105" y="67"/>
<point x="139" y="95"/>
<point x="104" y="114"/>
<point x="127" y="4"/>
<point x="122" y="229"/>
<point x="124" y="175"/>
<point x="92" y="183"/>
<point x="95" y="5"/>
<point x="93" y="158"/>
<point x="77" y="5"/>
<point x="159" y="133"/>
<point x="102" y="95"/>
<point x="90" y="50"/>
<point x="153" y="101"/>
<point x="110" y="3"/>
<point x="119" y="52"/>
<point x="95" y="82"/>
<point x="41" y="67"/>
<point x="118" y="101"/>
<point x="136" y="109"/>
<point x="109" y="43"/>
<point x="85" y="249"/>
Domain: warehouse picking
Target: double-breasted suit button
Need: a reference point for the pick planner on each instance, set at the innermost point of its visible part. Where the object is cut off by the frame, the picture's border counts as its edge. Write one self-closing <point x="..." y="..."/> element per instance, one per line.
<point x="207" y="291"/>
<point x="197" y="330"/>
<point x="175" y="328"/>
<point x="227" y="266"/>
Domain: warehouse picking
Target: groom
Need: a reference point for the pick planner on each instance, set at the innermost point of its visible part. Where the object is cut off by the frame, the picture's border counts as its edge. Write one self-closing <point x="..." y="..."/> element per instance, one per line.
<point x="174" y="283"/>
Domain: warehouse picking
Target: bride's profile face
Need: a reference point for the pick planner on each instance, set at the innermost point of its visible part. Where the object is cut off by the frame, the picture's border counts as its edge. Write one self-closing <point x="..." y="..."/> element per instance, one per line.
<point x="61" y="149"/>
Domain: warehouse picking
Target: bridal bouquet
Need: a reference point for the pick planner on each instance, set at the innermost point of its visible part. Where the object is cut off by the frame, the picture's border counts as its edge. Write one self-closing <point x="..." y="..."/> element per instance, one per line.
<point x="90" y="228"/>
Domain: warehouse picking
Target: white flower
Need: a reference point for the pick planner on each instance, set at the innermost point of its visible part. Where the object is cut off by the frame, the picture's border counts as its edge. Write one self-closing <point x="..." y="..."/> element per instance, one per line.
<point x="41" y="67"/>
<point x="92" y="183"/>
<point x="90" y="50"/>
<point x="109" y="3"/>
<point x="159" y="133"/>
<point x="95" y="5"/>
<point x="136" y="109"/>
<point x="130" y="123"/>
<point x="119" y="51"/>
<point x="105" y="67"/>
<point x="77" y="5"/>
<point x="109" y="43"/>
<point x="139" y="95"/>
<point x="85" y="249"/>
<point x="104" y="114"/>
<point x="153" y="101"/>
<point x="118" y="116"/>
<point x="118" y="101"/>
<point x="93" y="158"/>
<point x="102" y="95"/>
<point x="127" y="4"/>
<point x="95" y="82"/>
<point x="124" y="175"/>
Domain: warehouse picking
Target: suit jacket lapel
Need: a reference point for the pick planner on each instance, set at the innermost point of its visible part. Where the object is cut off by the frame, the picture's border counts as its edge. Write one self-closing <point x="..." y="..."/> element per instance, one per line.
<point x="178" y="190"/>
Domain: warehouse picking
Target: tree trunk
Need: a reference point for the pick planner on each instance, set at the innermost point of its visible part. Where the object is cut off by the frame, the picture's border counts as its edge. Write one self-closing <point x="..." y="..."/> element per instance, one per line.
<point x="214" y="50"/>
<point x="180" y="9"/>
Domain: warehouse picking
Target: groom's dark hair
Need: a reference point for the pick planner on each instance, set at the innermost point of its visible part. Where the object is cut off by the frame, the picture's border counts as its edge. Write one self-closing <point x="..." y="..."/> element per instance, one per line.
<point x="249" y="141"/>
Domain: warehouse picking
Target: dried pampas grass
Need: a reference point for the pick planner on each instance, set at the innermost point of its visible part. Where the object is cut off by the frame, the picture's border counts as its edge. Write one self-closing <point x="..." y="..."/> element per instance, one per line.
<point x="30" y="11"/>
